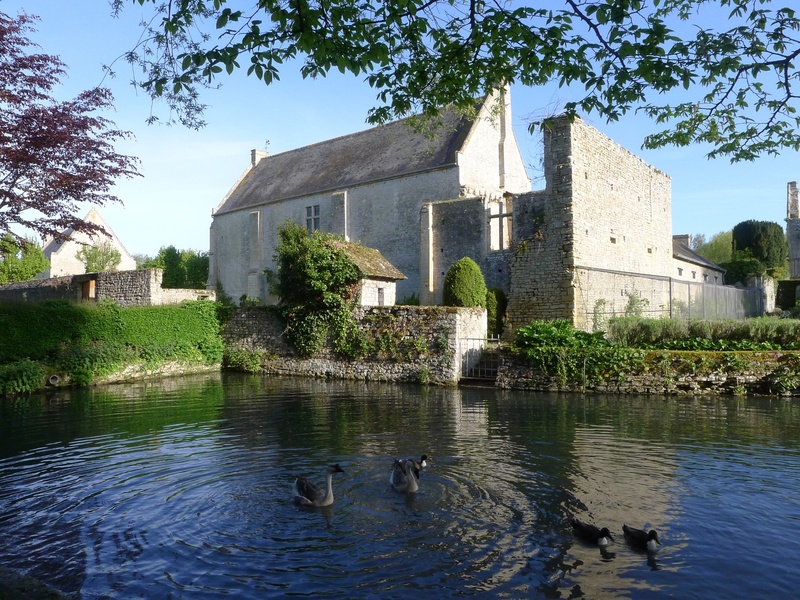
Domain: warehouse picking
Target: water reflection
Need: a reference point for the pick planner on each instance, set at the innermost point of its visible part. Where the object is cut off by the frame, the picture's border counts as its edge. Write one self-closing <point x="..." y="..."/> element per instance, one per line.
<point x="183" y="487"/>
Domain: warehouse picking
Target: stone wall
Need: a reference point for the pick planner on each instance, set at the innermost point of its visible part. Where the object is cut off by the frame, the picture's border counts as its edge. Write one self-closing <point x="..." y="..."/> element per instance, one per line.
<point x="766" y="373"/>
<point x="129" y="288"/>
<point x="377" y="292"/>
<point x="54" y="288"/>
<point x="414" y="343"/>
<point x="140" y="287"/>
<point x="793" y="228"/>
<point x="448" y="222"/>
<point x="603" y="208"/>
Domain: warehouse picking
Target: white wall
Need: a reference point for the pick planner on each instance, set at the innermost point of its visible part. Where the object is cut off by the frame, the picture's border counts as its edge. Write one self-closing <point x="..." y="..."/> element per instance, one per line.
<point x="382" y="215"/>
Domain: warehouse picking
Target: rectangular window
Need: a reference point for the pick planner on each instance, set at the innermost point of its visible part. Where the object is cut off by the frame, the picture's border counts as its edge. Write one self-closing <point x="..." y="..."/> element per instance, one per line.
<point x="500" y="225"/>
<point x="312" y="217"/>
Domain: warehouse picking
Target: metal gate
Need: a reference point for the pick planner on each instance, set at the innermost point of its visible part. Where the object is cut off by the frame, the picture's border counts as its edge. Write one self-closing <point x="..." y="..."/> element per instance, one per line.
<point x="480" y="358"/>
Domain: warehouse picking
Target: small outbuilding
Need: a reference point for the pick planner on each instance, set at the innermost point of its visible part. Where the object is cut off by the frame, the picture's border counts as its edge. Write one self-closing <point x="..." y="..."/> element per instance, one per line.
<point x="377" y="276"/>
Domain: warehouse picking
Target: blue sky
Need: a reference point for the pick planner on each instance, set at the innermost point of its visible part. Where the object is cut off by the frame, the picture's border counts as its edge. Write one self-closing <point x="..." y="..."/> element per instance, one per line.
<point x="187" y="173"/>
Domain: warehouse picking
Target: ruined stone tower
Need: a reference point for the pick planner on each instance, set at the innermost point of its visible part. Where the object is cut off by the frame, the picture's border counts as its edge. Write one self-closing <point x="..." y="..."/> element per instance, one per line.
<point x="793" y="228"/>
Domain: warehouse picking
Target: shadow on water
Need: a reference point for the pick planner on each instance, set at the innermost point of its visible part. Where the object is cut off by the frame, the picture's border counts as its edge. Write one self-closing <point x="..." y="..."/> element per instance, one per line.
<point x="183" y="486"/>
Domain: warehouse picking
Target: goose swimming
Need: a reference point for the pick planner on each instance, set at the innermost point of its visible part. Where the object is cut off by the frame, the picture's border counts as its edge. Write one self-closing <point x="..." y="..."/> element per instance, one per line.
<point x="591" y="533"/>
<point x="308" y="494"/>
<point x="418" y="466"/>
<point x="641" y="539"/>
<point x="405" y="475"/>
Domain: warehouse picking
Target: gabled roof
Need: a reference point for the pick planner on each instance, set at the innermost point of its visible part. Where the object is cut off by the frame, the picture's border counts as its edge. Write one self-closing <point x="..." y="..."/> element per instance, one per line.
<point x="369" y="261"/>
<point x="53" y="245"/>
<point x="682" y="252"/>
<point x="383" y="152"/>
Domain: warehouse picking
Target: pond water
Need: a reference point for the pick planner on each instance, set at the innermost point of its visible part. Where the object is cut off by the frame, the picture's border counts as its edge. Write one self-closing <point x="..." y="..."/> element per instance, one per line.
<point x="182" y="488"/>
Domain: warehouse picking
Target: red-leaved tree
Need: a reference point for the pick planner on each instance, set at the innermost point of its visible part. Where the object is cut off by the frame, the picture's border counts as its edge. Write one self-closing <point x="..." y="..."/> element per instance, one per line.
<point x="53" y="155"/>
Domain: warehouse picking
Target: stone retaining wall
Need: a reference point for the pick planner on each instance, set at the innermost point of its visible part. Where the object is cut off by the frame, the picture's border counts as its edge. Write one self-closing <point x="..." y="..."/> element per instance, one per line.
<point x="766" y="373"/>
<point x="414" y="343"/>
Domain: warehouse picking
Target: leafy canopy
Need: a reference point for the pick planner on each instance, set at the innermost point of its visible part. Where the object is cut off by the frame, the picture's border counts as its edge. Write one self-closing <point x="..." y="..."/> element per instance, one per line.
<point x="718" y="249"/>
<point x="183" y="269"/>
<point x="53" y="155"/>
<point x="719" y="72"/>
<point x="20" y="261"/>
<point x="765" y="241"/>
<point x="99" y="257"/>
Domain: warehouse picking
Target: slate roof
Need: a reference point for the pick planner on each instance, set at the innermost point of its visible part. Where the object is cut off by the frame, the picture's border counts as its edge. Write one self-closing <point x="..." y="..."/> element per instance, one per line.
<point x="383" y="152"/>
<point x="369" y="261"/>
<point x="683" y="252"/>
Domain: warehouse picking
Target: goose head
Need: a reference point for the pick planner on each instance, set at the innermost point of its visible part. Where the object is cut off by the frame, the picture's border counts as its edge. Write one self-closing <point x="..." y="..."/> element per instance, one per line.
<point x="418" y="466"/>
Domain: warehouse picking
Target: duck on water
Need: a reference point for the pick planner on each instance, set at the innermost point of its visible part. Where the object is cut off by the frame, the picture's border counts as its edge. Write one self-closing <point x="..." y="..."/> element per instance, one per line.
<point x="641" y="539"/>
<point x="591" y="533"/>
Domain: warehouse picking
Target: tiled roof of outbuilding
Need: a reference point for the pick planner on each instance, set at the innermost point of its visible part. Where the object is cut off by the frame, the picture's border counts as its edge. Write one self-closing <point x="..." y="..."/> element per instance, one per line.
<point x="369" y="261"/>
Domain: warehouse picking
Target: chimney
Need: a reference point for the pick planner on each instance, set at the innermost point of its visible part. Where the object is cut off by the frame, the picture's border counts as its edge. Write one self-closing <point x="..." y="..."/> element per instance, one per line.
<point x="684" y="240"/>
<point x="257" y="155"/>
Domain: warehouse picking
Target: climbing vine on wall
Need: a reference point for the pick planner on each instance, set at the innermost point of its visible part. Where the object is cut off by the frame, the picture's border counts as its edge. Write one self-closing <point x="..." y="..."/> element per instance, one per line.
<point x="316" y="284"/>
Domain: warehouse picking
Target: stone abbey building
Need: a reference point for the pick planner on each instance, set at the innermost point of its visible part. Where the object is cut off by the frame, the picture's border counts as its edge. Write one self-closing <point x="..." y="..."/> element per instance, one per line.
<point x="596" y="238"/>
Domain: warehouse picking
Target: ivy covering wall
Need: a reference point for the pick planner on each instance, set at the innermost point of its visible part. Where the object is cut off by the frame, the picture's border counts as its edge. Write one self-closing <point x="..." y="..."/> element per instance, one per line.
<point x="85" y="341"/>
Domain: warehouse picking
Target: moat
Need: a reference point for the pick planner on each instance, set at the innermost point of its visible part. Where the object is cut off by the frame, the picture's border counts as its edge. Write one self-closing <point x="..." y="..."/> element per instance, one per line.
<point x="182" y="488"/>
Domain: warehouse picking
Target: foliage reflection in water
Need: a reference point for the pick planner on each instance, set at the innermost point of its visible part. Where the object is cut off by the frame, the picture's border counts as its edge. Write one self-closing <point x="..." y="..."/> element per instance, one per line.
<point x="183" y="487"/>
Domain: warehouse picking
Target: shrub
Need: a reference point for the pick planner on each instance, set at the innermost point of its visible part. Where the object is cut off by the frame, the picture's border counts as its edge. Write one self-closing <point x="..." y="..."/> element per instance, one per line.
<point x="464" y="285"/>
<point x="83" y="363"/>
<point x="88" y="340"/>
<point x="316" y="283"/>
<point x="496" y="304"/>
<point x="763" y="333"/>
<point x="21" y="377"/>
<point x="764" y="241"/>
<point x="572" y="355"/>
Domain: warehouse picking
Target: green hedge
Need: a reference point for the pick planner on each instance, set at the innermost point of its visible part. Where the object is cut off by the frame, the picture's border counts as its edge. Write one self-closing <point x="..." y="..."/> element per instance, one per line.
<point x="762" y="333"/>
<point x="39" y="331"/>
<point x="84" y="341"/>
